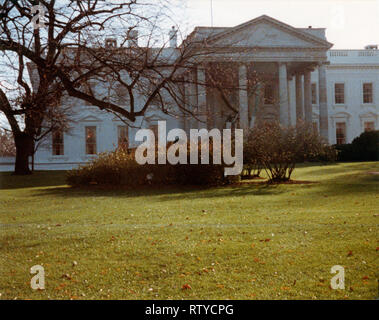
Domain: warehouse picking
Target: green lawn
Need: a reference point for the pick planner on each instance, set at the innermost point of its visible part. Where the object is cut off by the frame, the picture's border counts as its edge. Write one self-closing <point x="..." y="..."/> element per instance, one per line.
<point x="241" y="242"/>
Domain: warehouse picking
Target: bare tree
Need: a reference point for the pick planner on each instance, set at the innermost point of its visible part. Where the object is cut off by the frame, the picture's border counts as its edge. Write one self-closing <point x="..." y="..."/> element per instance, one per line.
<point x="42" y="40"/>
<point x="62" y="45"/>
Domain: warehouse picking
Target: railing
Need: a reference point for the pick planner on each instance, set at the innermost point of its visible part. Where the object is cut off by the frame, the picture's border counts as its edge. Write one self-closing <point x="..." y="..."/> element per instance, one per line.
<point x="354" y="53"/>
<point x="368" y="53"/>
<point x="339" y="53"/>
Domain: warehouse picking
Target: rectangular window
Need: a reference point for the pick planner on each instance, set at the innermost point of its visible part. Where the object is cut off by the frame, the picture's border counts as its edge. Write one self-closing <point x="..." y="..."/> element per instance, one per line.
<point x="91" y="140"/>
<point x="341" y="132"/>
<point x="314" y="93"/>
<point x="339" y="93"/>
<point x="58" y="143"/>
<point x="369" y="126"/>
<point x="122" y="134"/>
<point x="268" y="94"/>
<point x="368" y="93"/>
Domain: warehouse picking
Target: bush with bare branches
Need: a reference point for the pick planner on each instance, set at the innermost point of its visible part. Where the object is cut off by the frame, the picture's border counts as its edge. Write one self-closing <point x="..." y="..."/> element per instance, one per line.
<point x="120" y="167"/>
<point x="278" y="149"/>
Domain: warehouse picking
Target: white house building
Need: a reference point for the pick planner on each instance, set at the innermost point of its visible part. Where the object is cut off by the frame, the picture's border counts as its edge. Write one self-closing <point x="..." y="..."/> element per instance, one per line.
<point x="336" y="90"/>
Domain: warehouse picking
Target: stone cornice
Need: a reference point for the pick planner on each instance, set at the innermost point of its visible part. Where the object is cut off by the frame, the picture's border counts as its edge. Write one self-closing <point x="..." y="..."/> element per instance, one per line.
<point x="257" y="48"/>
<point x="353" y="66"/>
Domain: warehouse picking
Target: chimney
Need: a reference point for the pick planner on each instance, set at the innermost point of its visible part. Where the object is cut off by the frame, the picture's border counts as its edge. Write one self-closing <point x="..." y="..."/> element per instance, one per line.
<point x="110" y="43"/>
<point x="173" y="34"/>
<point x="133" y="38"/>
<point x="371" y="47"/>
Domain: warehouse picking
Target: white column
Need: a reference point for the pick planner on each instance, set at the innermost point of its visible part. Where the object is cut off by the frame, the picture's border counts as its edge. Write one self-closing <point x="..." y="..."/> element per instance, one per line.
<point x="201" y="98"/>
<point x="212" y="116"/>
<point x="187" y="105"/>
<point x="243" y="98"/>
<point x="290" y="119"/>
<point x="323" y="99"/>
<point x="308" y="97"/>
<point x="299" y="98"/>
<point x="192" y="100"/>
<point x="257" y="103"/>
<point x="183" y="121"/>
<point x="283" y="94"/>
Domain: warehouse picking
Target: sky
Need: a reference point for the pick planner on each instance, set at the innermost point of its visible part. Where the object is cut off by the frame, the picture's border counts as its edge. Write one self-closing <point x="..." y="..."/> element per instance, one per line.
<point x="350" y="24"/>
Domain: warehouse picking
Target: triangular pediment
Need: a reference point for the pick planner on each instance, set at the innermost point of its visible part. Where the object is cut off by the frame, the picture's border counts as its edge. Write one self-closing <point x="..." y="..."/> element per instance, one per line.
<point x="368" y="115"/>
<point x="268" y="33"/>
<point x="120" y="119"/>
<point x="342" y="114"/>
<point x="154" y="118"/>
<point x="90" y="119"/>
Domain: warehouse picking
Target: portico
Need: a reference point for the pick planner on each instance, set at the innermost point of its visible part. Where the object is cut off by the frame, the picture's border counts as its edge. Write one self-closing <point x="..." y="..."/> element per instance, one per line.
<point x="245" y="72"/>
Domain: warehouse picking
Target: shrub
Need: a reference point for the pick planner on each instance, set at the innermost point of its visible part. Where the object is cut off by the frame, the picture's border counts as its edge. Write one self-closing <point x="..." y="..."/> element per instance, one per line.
<point x="363" y="148"/>
<point x="252" y="167"/>
<point x="251" y="171"/>
<point x="277" y="149"/>
<point x="344" y="152"/>
<point x="326" y="154"/>
<point x="120" y="168"/>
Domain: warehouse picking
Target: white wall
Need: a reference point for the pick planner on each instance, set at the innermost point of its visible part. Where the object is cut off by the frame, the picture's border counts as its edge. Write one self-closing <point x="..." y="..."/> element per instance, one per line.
<point x="353" y="112"/>
<point x="106" y="134"/>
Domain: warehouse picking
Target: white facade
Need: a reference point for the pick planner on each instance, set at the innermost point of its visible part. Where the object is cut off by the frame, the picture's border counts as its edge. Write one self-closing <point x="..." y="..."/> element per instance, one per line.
<point x="289" y="54"/>
<point x="353" y="68"/>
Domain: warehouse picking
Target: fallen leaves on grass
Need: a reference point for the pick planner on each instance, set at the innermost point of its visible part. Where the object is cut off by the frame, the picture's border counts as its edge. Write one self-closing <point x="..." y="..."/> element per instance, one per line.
<point x="259" y="261"/>
<point x="186" y="287"/>
<point x="61" y="286"/>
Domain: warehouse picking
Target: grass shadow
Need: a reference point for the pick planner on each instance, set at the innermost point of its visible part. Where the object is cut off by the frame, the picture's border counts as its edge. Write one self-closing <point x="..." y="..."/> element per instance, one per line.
<point x="163" y="193"/>
<point x="329" y="179"/>
<point x="35" y="180"/>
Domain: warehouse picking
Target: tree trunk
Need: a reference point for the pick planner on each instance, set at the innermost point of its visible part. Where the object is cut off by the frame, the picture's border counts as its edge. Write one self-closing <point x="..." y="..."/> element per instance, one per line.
<point x="24" y="148"/>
